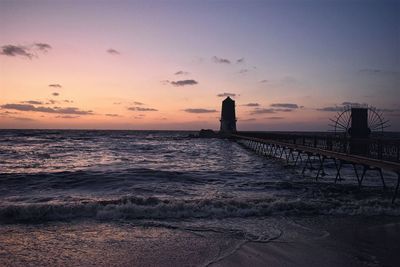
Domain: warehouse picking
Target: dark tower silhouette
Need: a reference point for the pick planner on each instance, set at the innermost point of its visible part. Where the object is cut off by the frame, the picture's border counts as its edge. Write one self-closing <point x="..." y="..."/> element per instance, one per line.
<point x="359" y="130"/>
<point x="228" y="116"/>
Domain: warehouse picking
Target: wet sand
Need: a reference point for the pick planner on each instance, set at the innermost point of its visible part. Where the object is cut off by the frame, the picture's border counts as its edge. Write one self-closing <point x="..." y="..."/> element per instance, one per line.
<point x="355" y="241"/>
<point x="313" y="241"/>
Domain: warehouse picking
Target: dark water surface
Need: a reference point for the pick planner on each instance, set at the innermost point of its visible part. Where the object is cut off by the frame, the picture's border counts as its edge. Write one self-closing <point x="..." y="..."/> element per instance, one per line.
<point x="58" y="175"/>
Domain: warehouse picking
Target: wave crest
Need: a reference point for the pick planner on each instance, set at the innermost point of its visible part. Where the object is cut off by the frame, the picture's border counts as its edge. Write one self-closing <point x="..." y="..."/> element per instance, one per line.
<point x="131" y="208"/>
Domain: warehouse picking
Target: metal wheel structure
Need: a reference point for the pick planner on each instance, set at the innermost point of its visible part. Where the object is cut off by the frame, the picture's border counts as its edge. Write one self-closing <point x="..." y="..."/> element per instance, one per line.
<point x="342" y="121"/>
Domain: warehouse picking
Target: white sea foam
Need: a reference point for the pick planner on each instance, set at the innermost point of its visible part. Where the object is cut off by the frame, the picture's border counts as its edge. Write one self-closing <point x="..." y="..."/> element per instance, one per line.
<point x="132" y="208"/>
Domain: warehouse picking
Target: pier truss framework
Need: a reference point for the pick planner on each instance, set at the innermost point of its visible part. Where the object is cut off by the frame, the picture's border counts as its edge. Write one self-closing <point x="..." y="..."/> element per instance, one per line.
<point x="304" y="154"/>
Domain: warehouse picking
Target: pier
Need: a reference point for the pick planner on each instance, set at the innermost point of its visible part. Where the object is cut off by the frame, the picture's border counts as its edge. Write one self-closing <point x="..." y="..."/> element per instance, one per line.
<point x="354" y="144"/>
<point x="302" y="151"/>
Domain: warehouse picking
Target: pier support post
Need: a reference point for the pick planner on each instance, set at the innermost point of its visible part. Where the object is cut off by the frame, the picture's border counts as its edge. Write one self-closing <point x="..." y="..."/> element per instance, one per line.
<point x="360" y="178"/>
<point x="297" y="158"/>
<point x="338" y="167"/>
<point x="383" y="180"/>
<point x="305" y="165"/>
<point x="283" y="149"/>
<point x="397" y="188"/>
<point x="321" y="166"/>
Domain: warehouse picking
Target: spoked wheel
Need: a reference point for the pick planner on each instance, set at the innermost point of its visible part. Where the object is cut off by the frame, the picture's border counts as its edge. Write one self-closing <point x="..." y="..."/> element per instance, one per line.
<point x="342" y="122"/>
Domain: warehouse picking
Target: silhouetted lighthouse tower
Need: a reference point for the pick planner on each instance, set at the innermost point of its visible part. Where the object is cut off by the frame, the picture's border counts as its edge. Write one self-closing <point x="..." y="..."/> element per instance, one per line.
<point x="228" y="117"/>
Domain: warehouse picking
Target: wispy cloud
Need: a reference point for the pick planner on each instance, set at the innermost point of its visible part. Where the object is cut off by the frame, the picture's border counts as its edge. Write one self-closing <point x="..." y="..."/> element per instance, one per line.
<point x="113" y="52"/>
<point x="139" y="116"/>
<point x="240" y="60"/>
<point x="138" y="103"/>
<point x="199" y="110"/>
<point x="226" y="94"/>
<point x="285" y="105"/>
<point x="331" y="109"/>
<point x="142" y="109"/>
<point x="243" y="71"/>
<point x="283" y="110"/>
<point x="16" y="50"/>
<point x="57" y="110"/>
<point x="342" y="106"/>
<point x="263" y="81"/>
<point x="33" y="102"/>
<point x="67" y="117"/>
<point x="55" y="85"/>
<point x="51" y="102"/>
<point x="221" y="60"/>
<point x="7" y="113"/>
<point x="181" y="72"/>
<point x="184" y="82"/>
<point x="379" y="72"/>
<point x="22" y="118"/>
<point x="11" y="115"/>
<point x="274" y="118"/>
<point x="43" y="47"/>
<point x="388" y="110"/>
<point x="55" y="94"/>
<point x="250" y="119"/>
<point x="251" y="105"/>
<point x="29" y="51"/>
<point x="348" y="103"/>
<point x="258" y="111"/>
<point x="112" y="115"/>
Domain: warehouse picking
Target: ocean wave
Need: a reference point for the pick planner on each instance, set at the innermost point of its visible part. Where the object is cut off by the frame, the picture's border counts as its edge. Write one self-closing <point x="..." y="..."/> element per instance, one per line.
<point x="131" y="208"/>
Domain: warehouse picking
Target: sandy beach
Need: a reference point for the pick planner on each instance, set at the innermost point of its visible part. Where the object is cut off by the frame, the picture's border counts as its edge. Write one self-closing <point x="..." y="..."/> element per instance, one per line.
<point x="347" y="241"/>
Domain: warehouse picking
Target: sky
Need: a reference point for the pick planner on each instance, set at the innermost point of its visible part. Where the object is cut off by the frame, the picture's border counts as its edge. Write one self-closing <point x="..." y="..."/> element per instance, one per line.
<point x="167" y="65"/>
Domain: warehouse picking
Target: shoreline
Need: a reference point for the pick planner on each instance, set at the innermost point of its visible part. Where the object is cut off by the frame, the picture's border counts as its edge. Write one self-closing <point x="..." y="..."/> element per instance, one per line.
<point x="350" y="241"/>
<point x="303" y="241"/>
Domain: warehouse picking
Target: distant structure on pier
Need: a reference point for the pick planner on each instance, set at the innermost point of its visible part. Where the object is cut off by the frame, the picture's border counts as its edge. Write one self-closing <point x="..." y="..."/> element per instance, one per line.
<point x="357" y="123"/>
<point x="228" y="116"/>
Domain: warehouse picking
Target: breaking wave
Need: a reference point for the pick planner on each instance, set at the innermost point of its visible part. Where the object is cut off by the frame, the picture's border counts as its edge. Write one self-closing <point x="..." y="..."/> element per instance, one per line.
<point x="130" y="208"/>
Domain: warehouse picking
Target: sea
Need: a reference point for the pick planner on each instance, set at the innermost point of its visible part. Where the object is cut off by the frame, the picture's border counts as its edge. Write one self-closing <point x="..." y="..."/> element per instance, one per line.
<point x="68" y="197"/>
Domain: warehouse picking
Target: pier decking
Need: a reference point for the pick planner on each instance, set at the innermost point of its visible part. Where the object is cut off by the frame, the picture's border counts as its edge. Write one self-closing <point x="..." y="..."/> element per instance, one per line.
<point x="380" y="154"/>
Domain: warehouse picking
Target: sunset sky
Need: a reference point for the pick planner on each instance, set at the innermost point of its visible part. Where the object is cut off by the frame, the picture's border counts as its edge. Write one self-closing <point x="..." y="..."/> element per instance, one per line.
<point x="289" y="65"/>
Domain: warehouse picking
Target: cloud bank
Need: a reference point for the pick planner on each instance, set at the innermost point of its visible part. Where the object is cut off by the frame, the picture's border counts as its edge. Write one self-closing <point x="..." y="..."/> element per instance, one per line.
<point x="221" y="60"/>
<point x="258" y="111"/>
<point x="24" y="51"/>
<point x="184" y="82"/>
<point x="285" y="105"/>
<point x="33" y="102"/>
<point x="251" y="105"/>
<point x="112" y="51"/>
<point x="56" y="110"/>
<point x="199" y="110"/>
<point x="141" y="109"/>
<point x="181" y="72"/>
<point x="226" y="95"/>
